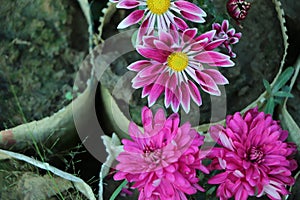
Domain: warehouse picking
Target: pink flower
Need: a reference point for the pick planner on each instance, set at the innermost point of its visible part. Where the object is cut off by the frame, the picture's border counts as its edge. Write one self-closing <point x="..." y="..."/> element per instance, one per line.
<point x="175" y="60"/>
<point x="159" y="14"/>
<point x="230" y="36"/>
<point x="238" y="9"/>
<point x="253" y="157"/>
<point x="163" y="160"/>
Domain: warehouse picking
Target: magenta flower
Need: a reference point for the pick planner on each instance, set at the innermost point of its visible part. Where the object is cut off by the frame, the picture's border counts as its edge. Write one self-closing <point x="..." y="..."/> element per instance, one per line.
<point x="230" y="36"/>
<point x="159" y="14"/>
<point x="253" y="156"/>
<point x="238" y="9"/>
<point x="175" y="60"/>
<point x="163" y="160"/>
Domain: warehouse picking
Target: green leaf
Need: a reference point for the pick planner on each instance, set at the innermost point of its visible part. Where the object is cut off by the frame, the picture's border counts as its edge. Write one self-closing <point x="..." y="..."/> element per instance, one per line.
<point x="269" y="108"/>
<point x="69" y="95"/>
<point x="118" y="190"/>
<point x="267" y="86"/>
<point x="283" y="94"/>
<point x="283" y="79"/>
<point x="279" y="100"/>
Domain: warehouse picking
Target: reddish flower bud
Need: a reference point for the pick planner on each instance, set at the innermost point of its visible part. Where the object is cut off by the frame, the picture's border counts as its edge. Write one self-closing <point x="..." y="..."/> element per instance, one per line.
<point x="238" y="9"/>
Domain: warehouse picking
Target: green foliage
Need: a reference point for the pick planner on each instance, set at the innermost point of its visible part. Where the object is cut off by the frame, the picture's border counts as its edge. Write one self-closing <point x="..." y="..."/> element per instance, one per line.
<point x="277" y="93"/>
<point x="118" y="190"/>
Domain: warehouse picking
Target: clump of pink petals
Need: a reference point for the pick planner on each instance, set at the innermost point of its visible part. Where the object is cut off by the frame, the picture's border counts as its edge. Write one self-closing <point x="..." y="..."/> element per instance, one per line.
<point x="254" y="157"/>
<point x="162" y="161"/>
<point x="230" y="36"/>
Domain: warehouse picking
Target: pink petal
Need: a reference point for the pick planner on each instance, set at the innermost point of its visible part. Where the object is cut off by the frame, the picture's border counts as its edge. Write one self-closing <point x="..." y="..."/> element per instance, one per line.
<point x="143" y="30"/>
<point x="190" y="8"/>
<point x="176" y="100"/>
<point x="180" y="23"/>
<point x="156" y="91"/>
<point x="216" y="26"/>
<point x="160" y="45"/>
<point x="139" y="65"/>
<point x="139" y="82"/>
<point x="131" y="19"/>
<point x="189" y="34"/>
<point x="146" y="90"/>
<point x="192" y="17"/>
<point x="209" y="35"/>
<point x="174" y="32"/>
<point x="151" y="70"/>
<point x="207" y="83"/>
<point x="128" y="4"/>
<point x="225" y="25"/>
<point x="216" y="76"/>
<point x="185" y="101"/>
<point x="219" y="178"/>
<point x="159" y="117"/>
<point x="166" y="38"/>
<point x="155" y="54"/>
<point x="195" y="94"/>
<point x="199" y="45"/>
<point x="215" y="132"/>
<point x="134" y="131"/>
<point x="168" y="97"/>
<point x="172" y="82"/>
<point x="224" y="63"/>
<point x="212" y="58"/>
<point x="214" y="44"/>
<point x="149" y="41"/>
<point x="233" y="40"/>
<point x="147" y="119"/>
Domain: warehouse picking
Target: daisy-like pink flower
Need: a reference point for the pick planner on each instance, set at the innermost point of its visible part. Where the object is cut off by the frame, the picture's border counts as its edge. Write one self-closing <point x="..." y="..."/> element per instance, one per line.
<point x="159" y="14"/>
<point x="176" y="63"/>
<point x="230" y="36"/>
<point x="162" y="161"/>
<point x="253" y="156"/>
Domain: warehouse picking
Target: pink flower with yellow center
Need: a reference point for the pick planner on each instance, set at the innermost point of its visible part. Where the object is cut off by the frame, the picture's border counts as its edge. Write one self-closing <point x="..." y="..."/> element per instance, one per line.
<point x="254" y="157"/>
<point x="177" y="64"/>
<point x="162" y="161"/>
<point x="159" y="14"/>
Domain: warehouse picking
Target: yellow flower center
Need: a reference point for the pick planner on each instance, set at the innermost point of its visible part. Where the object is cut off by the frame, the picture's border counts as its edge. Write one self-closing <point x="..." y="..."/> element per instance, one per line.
<point x="158" y="6"/>
<point x="178" y="61"/>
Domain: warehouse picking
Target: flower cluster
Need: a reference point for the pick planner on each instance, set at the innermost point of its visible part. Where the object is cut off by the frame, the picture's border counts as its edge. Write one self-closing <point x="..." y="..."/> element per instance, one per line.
<point x="163" y="160"/>
<point x="253" y="156"/>
<point x="179" y="60"/>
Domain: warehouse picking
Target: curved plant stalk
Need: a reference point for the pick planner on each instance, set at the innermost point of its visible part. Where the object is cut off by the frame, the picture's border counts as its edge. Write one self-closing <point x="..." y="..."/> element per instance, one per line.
<point x="78" y="183"/>
<point x="85" y="7"/>
<point x="108" y="12"/>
